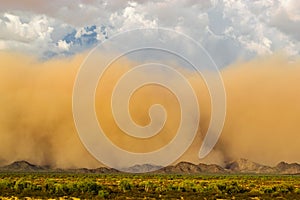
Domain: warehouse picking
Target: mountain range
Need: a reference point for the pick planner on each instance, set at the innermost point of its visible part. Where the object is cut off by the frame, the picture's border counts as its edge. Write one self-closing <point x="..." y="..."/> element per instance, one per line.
<point x="243" y="166"/>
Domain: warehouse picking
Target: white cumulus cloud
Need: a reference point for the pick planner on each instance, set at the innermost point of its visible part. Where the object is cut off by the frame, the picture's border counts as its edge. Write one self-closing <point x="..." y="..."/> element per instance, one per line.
<point x="228" y="29"/>
<point x="63" y="45"/>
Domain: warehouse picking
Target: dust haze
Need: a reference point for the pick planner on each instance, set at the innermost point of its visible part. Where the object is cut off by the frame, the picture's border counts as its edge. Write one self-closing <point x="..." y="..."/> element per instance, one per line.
<point x="36" y="122"/>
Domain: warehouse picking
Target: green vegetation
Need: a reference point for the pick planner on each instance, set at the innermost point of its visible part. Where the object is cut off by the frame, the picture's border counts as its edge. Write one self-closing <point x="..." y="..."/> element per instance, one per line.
<point x="151" y="186"/>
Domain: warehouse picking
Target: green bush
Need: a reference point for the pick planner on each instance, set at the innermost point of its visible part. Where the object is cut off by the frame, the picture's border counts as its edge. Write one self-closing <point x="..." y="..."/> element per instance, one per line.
<point x="125" y="185"/>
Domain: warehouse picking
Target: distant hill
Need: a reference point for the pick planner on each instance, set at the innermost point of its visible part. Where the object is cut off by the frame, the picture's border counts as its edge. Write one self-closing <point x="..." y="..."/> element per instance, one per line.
<point x="285" y="168"/>
<point x="234" y="167"/>
<point x="142" y="168"/>
<point x="100" y="170"/>
<point x="190" y="168"/>
<point x="246" y="166"/>
<point x="22" y="166"/>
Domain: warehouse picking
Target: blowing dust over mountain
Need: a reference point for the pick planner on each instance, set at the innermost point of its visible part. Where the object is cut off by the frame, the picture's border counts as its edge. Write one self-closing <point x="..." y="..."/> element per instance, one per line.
<point x="36" y="122"/>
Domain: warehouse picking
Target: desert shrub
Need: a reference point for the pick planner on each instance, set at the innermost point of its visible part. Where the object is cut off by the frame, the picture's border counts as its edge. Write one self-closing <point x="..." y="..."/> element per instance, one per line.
<point x="87" y="186"/>
<point x="122" y="186"/>
<point x="187" y="186"/>
<point x="268" y="189"/>
<point x="286" y="188"/>
<point x="231" y="187"/>
<point x="125" y="185"/>
<point x="103" y="193"/>
<point x="58" y="189"/>
<point x="211" y="188"/>
<point x="147" y="186"/>
<point x="4" y="185"/>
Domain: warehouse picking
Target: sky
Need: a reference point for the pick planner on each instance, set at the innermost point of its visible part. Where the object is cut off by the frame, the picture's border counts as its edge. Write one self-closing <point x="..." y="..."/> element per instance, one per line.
<point x="229" y="30"/>
<point x="255" y="44"/>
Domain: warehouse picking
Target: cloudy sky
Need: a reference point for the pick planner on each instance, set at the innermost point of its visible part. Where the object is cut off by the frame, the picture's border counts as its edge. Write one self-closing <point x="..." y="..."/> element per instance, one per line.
<point x="262" y="95"/>
<point x="228" y="29"/>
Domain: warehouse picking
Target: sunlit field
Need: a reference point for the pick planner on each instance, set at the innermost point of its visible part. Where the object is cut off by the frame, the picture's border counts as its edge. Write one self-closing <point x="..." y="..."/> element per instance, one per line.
<point x="147" y="186"/>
